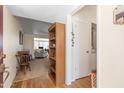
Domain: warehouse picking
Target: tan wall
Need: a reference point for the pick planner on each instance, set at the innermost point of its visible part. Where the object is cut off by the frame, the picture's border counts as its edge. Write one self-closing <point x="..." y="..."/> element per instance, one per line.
<point x="110" y="49"/>
<point x="11" y="45"/>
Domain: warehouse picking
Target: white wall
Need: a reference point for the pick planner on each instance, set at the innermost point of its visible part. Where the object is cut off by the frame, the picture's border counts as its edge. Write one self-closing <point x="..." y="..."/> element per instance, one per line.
<point x="29" y="42"/>
<point x="110" y="49"/>
<point x="69" y="62"/>
<point x="11" y="28"/>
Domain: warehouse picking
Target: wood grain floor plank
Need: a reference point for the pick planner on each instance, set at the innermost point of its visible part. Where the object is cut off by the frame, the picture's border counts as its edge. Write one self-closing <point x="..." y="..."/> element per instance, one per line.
<point x="47" y="83"/>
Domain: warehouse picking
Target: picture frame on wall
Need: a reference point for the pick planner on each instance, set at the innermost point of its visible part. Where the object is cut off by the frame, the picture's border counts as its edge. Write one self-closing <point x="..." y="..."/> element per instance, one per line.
<point x="118" y="15"/>
<point x="20" y="38"/>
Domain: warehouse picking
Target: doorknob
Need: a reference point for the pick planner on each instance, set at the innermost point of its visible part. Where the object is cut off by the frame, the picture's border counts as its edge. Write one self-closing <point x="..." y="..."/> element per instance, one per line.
<point x="3" y="70"/>
<point x="2" y="56"/>
<point x="87" y="51"/>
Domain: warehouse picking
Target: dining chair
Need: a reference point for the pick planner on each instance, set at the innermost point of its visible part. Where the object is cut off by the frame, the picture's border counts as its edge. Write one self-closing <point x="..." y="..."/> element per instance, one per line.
<point x="23" y="61"/>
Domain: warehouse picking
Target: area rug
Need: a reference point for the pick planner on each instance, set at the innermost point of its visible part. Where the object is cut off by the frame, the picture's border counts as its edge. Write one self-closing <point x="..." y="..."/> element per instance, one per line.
<point x="39" y="68"/>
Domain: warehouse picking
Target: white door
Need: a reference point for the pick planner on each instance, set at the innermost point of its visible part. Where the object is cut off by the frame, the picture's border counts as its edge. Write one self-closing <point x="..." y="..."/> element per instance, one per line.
<point x="81" y="48"/>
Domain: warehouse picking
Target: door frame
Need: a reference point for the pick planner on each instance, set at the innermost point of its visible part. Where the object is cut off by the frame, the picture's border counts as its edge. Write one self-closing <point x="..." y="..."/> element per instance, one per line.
<point x="70" y="64"/>
<point x="1" y="44"/>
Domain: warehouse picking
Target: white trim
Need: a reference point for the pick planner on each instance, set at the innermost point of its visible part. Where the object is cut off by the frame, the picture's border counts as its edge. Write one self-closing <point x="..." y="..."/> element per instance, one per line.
<point x="68" y="51"/>
<point x="98" y="46"/>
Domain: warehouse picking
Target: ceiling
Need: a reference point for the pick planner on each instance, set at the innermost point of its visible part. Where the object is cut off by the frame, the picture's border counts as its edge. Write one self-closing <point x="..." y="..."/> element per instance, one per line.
<point x="31" y="26"/>
<point x="47" y="13"/>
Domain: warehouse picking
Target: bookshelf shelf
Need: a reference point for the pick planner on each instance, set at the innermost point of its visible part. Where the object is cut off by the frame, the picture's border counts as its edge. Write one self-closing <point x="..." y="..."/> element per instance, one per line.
<point x="57" y="53"/>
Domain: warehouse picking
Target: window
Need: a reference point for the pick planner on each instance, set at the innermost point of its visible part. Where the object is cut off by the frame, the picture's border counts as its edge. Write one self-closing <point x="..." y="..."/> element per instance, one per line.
<point x="41" y="43"/>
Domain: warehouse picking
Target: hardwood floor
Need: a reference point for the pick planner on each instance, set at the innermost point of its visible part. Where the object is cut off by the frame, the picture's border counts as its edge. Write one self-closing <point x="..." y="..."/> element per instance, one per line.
<point x="34" y="79"/>
<point x="41" y="82"/>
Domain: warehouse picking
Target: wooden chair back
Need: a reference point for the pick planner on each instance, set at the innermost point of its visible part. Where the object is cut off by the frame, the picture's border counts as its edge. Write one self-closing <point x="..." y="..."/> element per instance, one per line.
<point x="22" y="59"/>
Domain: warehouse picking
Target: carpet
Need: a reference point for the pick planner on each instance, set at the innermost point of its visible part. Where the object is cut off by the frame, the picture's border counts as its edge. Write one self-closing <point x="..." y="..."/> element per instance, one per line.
<point x="39" y="68"/>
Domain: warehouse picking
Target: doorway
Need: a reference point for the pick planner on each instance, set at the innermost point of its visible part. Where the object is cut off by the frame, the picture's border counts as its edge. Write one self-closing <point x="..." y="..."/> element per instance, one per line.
<point x="84" y="35"/>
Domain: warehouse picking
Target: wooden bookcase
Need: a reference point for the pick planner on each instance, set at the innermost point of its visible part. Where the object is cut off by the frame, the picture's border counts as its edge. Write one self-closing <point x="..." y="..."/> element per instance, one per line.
<point x="57" y="53"/>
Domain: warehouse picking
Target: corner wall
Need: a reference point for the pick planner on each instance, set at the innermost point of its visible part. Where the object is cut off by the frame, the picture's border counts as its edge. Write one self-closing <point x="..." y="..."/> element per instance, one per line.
<point x="11" y="28"/>
<point x="110" y="49"/>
